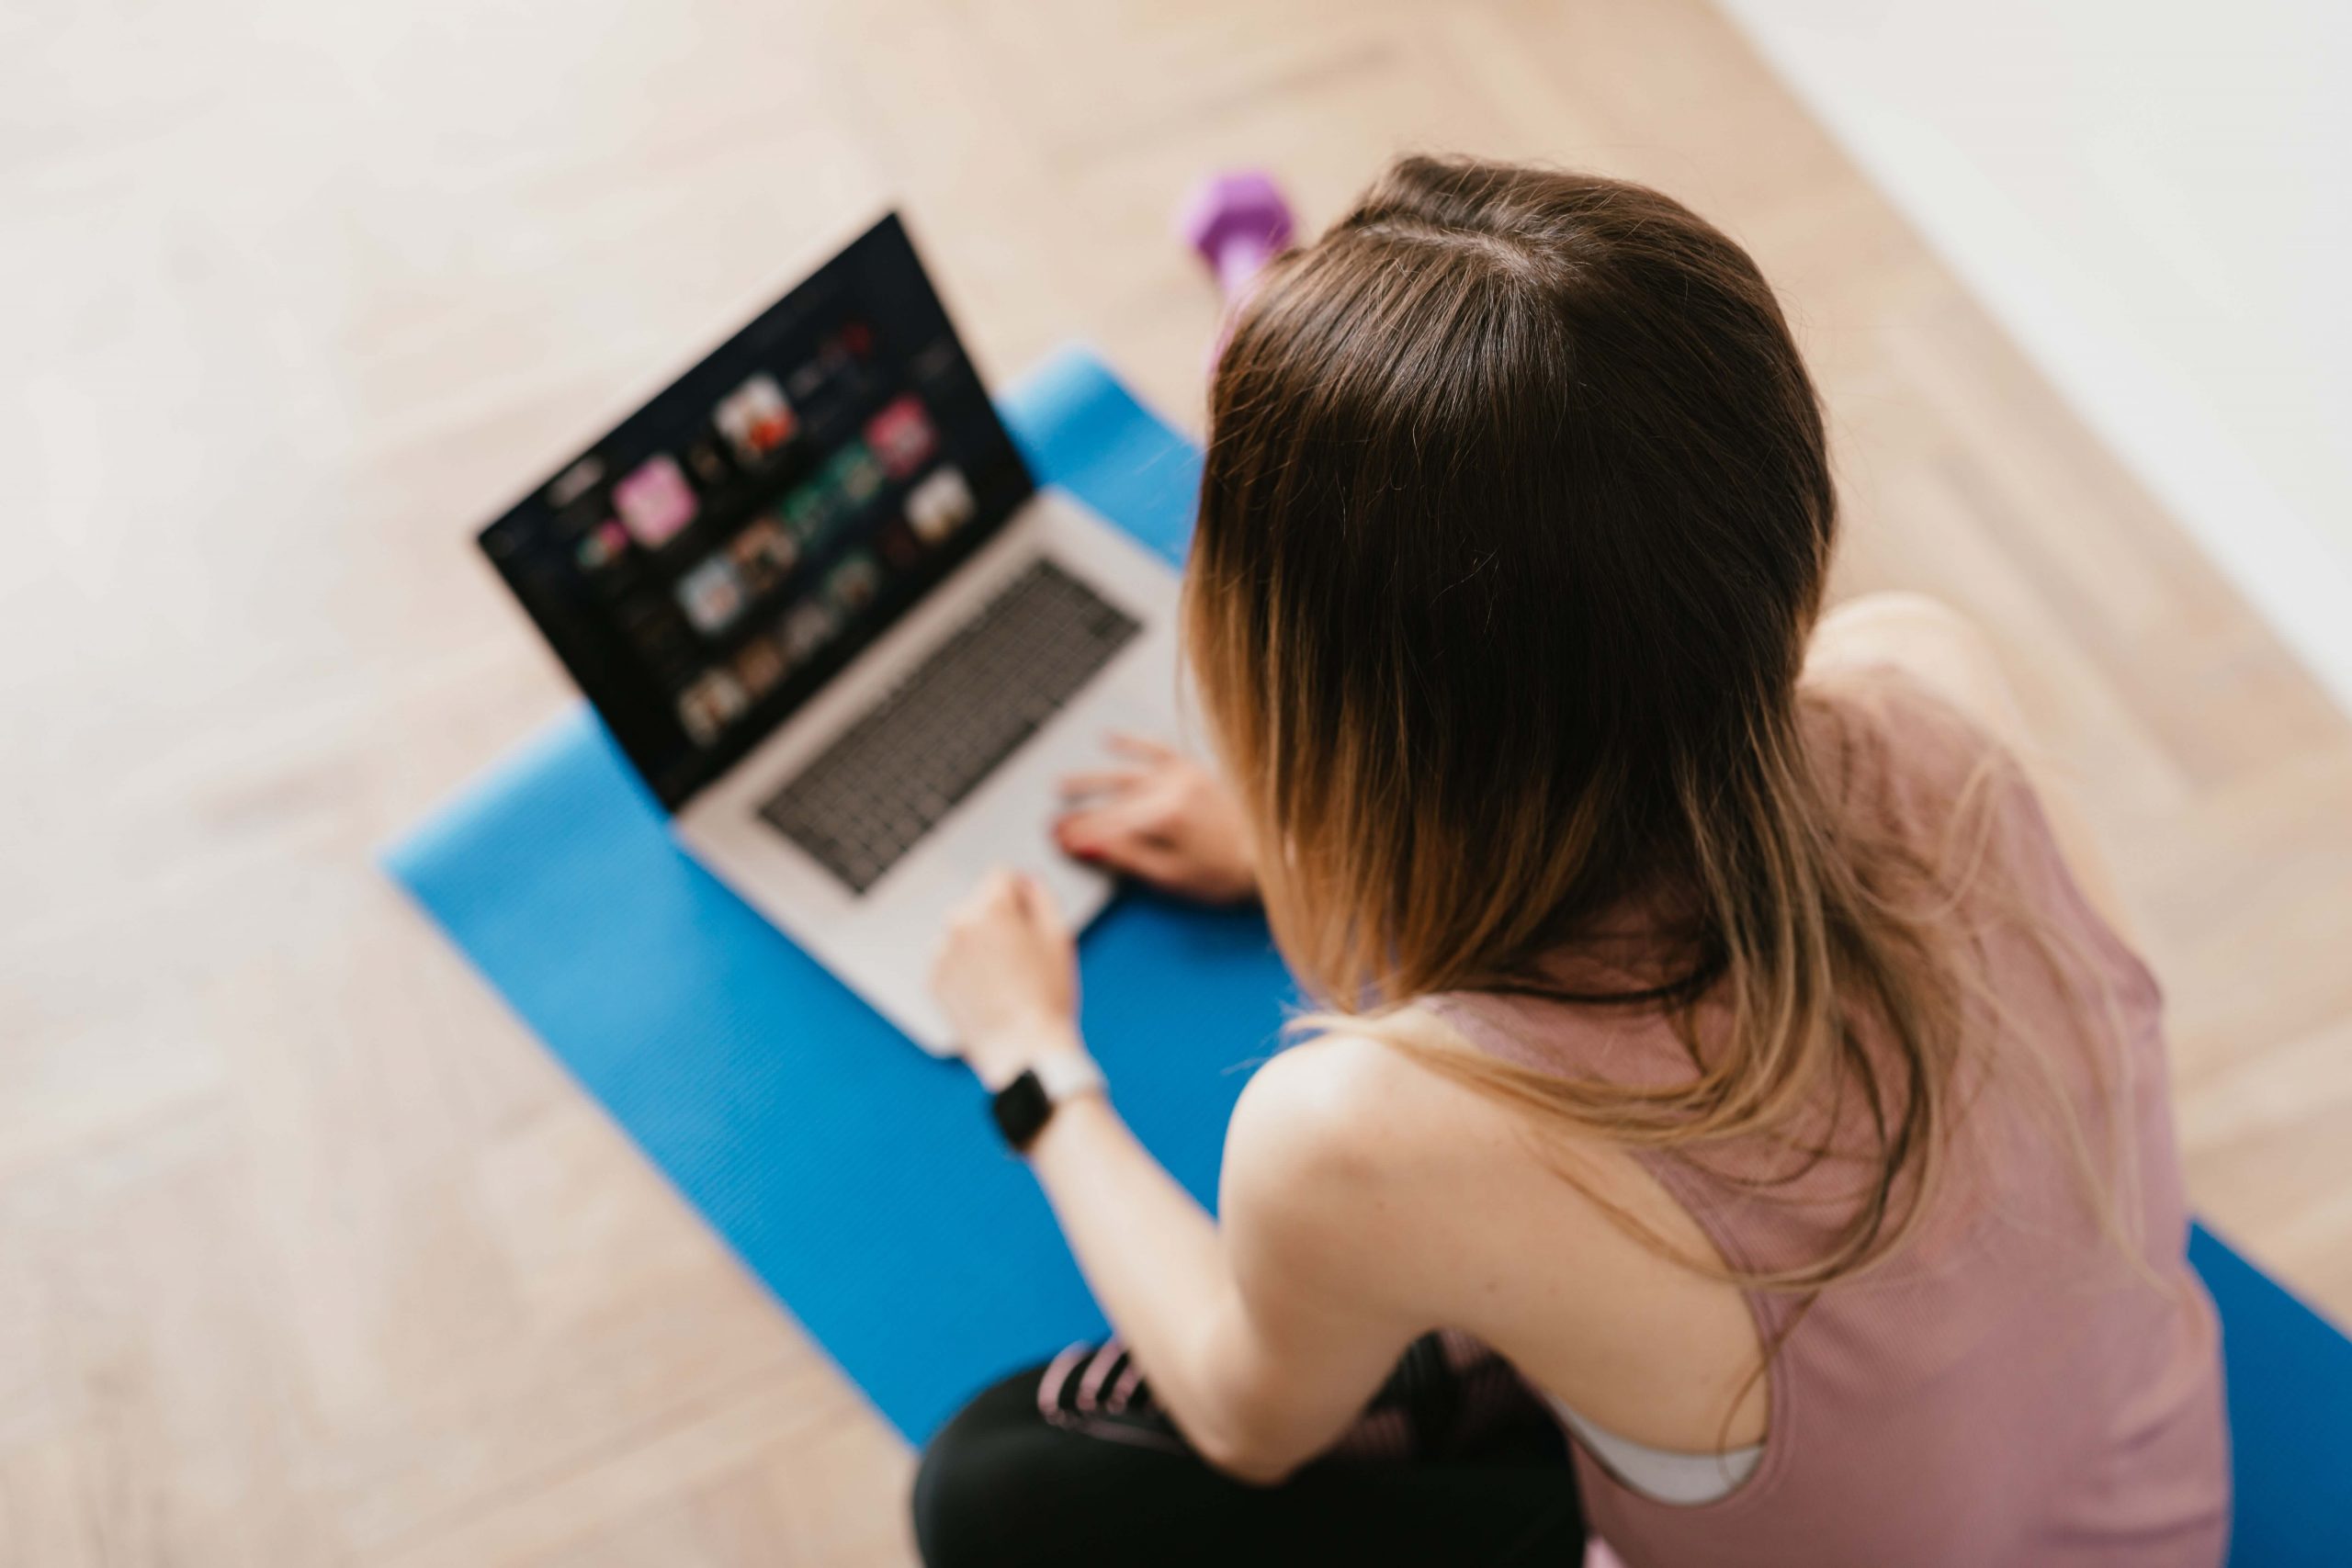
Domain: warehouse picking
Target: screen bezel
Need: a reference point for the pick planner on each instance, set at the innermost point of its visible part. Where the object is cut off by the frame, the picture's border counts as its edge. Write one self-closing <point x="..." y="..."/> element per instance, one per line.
<point x="619" y="687"/>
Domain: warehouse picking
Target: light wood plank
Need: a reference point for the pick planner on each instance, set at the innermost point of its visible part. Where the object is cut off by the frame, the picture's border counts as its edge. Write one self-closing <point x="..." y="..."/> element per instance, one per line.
<point x="307" y="1254"/>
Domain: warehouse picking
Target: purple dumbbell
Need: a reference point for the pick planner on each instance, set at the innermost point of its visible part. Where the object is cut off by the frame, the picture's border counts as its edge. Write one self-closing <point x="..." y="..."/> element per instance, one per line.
<point x="1238" y="221"/>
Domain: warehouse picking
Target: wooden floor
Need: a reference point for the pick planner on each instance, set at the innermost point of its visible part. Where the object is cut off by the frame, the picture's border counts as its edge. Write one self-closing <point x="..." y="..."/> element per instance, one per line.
<point x="308" y="1254"/>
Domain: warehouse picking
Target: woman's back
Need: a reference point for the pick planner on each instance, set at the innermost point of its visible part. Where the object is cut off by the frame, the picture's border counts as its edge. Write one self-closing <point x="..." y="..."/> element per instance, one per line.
<point x="1504" y="611"/>
<point x="2006" y="1387"/>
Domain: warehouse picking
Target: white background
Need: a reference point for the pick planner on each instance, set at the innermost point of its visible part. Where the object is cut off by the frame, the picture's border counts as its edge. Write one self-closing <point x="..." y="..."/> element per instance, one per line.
<point x="2156" y="199"/>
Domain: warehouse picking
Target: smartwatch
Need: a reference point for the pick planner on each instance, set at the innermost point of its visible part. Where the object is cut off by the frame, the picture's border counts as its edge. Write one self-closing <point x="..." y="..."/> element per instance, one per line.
<point x="1023" y="1107"/>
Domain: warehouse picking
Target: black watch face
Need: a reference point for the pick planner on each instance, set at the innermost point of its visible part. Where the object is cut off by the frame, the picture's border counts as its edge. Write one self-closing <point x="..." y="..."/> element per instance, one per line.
<point x="1021" y="1109"/>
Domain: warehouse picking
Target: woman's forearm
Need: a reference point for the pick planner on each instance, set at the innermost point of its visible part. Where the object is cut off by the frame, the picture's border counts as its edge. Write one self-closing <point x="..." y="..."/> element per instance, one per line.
<point x="1154" y="1260"/>
<point x="1255" y="1335"/>
<point x="1147" y="1249"/>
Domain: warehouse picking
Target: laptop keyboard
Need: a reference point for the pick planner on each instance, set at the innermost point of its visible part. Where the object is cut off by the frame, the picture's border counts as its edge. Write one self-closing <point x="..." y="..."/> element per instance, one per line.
<point x="885" y="780"/>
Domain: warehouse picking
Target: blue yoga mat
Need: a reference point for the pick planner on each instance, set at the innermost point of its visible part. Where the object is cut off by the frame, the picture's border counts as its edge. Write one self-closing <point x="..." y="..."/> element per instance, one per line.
<point x="2290" y="1417"/>
<point x="860" y="1180"/>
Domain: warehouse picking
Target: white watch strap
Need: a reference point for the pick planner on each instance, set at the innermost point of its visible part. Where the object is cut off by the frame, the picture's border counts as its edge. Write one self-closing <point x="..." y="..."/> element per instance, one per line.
<point x="1067" y="1074"/>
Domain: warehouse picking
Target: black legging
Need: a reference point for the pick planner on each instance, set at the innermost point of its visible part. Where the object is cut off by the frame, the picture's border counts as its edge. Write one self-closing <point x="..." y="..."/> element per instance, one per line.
<point x="1455" y="1463"/>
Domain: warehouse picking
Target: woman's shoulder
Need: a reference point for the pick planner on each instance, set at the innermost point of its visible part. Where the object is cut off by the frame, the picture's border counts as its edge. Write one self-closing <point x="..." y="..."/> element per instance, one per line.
<point x="1899" y="753"/>
<point x="1359" y="1119"/>
<point x="1367" y="1169"/>
<point x="1394" y="1116"/>
<point x="1909" y="764"/>
<point x="1342" y="1106"/>
<point x="1336" y="1161"/>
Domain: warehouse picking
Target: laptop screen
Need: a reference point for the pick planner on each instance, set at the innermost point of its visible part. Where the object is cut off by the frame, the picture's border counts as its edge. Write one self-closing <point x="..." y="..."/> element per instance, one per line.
<point x="708" y="564"/>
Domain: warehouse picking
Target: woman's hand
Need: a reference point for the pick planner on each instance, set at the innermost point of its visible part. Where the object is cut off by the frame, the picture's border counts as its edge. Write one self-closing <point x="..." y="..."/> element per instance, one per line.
<point x="1007" y="978"/>
<point x="1165" y="819"/>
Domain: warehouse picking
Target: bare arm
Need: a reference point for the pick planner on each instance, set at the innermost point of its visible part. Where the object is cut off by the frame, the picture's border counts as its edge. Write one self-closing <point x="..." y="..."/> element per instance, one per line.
<point x="1953" y="657"/>
<point x="1259" y="1336"/>
<point x="1248" y="1334"/>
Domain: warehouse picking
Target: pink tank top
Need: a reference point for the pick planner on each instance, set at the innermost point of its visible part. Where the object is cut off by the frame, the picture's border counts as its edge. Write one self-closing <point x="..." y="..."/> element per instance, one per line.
<point x="2004" y="1392"/>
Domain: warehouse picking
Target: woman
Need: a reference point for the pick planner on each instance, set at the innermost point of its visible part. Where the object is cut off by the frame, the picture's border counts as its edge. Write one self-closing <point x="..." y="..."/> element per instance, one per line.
<point x="1728" y="1057"/>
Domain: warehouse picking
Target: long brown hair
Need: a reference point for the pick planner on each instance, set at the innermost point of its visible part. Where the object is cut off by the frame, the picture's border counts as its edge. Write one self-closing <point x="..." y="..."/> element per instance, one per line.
<point x="1515" y="523"/>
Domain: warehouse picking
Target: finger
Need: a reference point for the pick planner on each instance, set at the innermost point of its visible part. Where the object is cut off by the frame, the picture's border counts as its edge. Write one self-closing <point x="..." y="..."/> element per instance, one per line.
<point x="1107" y="781"/>
<point x="964" y="909"/>
<point x="1132" y="854"/>
<point x="1127" y="742"/>
<point x="1157" y="863"/>
<point x="992" y="893"/>
<point x="1099" y="819"/>
<point x="1038" y="904"/>
<point x="1100" y="826"/>
<point x="1083" y="833"/>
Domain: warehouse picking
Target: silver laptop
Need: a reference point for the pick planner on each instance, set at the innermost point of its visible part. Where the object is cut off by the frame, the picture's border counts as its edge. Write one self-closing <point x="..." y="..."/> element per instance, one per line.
<point x="819" y="602"/>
